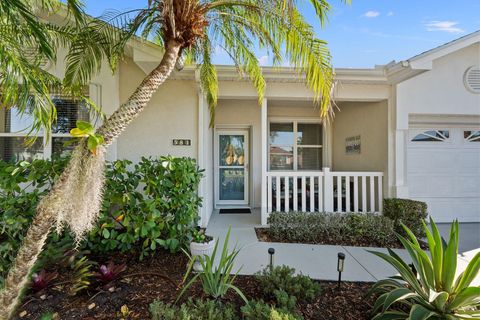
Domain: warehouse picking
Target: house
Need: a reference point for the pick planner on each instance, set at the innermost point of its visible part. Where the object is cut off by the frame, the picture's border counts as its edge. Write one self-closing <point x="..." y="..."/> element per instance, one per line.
<point x="409" y="129"/>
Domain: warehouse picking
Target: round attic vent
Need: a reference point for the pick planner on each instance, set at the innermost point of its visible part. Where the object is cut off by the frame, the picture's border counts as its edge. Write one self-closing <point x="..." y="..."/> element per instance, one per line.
<point x="472" y="79"/>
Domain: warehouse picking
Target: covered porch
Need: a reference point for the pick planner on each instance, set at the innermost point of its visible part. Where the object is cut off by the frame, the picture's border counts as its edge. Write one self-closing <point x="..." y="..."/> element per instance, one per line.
<point x="338" y="166"/>
<point x="279" y="155"/>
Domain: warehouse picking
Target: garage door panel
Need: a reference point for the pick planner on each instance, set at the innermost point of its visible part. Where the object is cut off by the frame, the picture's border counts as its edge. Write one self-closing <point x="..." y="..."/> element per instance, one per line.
<point x="446" y="175"/>
<point x="430" y="161"/>
<point x="468" y="162"/>
<point x="467" y="186"/>
<point x="431" y="186"/>
<point x="446" y="210"/>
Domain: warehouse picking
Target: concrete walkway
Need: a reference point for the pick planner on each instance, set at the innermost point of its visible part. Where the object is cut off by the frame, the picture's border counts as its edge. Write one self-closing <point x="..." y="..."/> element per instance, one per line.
<point x="316" y="261"/>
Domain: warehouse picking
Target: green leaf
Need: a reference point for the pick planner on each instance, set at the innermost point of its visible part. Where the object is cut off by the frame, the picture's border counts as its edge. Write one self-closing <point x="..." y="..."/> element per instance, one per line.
<point x="86" y="127"/>
<point x="106" y="233"/>
<point x="77" y="133"/>
<point x="419" y="312"/>
<point x="470" y="273"/>
<point x="450" y="259"/>
<point x="391" y="315"/>
<point x="438" y="299"/>
<point x="397" y="295"/>
<point x="467" y="296"/>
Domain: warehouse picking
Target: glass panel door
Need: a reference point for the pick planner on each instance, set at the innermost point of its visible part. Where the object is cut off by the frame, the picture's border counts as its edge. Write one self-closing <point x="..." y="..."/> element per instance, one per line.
<point x="232" y="167"/>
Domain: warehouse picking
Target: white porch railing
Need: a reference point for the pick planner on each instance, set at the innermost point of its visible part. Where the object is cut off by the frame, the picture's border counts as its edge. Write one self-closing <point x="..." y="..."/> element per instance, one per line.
<point x="324" y="191"/>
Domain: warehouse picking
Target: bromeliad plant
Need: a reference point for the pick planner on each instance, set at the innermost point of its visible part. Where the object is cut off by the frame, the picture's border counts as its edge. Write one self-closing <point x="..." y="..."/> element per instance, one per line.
<point x="432" y="291"/>
<point x="110" y="272"/>
<point x="216" y="280"/>
<point x="43" y="280"/>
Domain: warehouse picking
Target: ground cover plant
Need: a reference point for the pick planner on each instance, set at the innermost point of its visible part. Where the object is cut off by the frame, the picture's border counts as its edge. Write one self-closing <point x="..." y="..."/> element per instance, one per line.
<point x="129" y="288"/>
<point x="198" y="309"/>
<point x="140" y="285"/>
<point x="430" y="290"/>
<point x="353" y="229"/>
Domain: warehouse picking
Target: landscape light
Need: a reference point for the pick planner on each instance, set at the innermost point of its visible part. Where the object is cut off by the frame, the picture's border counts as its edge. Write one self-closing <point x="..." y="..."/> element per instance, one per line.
<point x="271" y="252"/>
<point x="340" y="266"/>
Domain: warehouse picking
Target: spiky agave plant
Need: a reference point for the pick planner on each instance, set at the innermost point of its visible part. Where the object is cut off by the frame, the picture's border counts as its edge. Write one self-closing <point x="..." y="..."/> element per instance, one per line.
<point x="433" y="292"/>
<point x="181" y="27"/>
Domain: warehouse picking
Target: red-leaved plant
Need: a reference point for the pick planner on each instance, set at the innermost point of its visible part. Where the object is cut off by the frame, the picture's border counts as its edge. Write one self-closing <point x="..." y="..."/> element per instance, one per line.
<point x="110" y="272"/>
<point x="43" y="280"/>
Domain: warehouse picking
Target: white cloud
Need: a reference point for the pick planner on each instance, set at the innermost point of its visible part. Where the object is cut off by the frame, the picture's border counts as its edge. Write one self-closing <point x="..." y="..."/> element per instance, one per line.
<point x="445" y="26"/>
<point x="263" y="60"/>
<point x="390" y="13"/>
<point x="371" y="14"/>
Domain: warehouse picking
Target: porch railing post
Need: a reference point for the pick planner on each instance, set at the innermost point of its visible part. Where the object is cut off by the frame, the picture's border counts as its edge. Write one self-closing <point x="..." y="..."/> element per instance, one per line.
<point x="328" y="190"/>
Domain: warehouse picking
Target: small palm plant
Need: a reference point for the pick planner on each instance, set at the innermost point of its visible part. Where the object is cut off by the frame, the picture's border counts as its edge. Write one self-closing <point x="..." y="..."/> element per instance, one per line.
<point x="431" y="290"/>
<point x="216" y="279"/>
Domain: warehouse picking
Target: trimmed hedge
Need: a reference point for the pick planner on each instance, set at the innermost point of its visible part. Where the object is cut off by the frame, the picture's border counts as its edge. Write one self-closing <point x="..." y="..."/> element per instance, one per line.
<point x="192" y="309"/>
<point x="332" y="228"/>
<point x="409" y="212"/>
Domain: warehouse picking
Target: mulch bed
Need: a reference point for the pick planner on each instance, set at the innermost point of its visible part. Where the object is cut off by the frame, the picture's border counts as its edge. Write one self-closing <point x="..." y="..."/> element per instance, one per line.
<point x="144" y="286"/>
<point x="264" y="235"/>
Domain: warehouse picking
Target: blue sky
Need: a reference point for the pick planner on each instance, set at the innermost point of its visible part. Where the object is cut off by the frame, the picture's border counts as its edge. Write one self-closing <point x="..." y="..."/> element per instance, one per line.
<point x="369" y="32"/>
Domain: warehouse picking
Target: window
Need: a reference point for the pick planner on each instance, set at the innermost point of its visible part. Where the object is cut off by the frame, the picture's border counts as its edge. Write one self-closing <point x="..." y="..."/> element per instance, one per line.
<point x="432" y="136"/>
<point x="14" y="128"/>
<point x="295" y="146"/>
<point x="472" y="136"/>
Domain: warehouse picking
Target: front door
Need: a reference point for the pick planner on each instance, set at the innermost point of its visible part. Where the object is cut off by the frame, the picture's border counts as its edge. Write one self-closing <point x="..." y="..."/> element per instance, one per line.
<point x="231" y="167"/>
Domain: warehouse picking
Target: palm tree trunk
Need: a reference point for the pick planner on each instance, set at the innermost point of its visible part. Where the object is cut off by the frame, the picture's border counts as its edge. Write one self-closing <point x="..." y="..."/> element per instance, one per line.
<point x="120" y="119"/>
<point x="46" y="213"/>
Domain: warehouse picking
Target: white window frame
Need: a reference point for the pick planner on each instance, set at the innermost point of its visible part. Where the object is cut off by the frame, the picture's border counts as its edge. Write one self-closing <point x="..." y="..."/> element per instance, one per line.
<point x="295" y="144"/>
<point x="466" y="140"/>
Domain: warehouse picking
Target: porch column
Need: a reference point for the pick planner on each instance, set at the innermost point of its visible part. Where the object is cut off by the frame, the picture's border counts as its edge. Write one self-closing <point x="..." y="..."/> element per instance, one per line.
<point x="200" y="153"/>
<point x="401" y="138"/>
<point x="204" y="160"/>
<point x="264" y="146"/>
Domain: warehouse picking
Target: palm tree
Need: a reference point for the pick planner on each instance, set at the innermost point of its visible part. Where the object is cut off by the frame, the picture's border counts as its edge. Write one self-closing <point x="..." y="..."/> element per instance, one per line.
<point x="185" y="29"/>
<point x="26" y="42"/>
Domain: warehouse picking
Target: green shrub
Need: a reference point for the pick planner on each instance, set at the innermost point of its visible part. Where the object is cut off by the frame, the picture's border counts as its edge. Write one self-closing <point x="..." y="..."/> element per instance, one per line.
<point x="409" y="212"/>
<point x="22" y="185"/>
<point x="286" y="288"/>
<point x="198" y="309"/>
<point x="164" y="214"/>
<point x="433" y="290"/>
<point x="332" y="228"/>
<point x="259" y="310"/>
<point x="148" y="205"/>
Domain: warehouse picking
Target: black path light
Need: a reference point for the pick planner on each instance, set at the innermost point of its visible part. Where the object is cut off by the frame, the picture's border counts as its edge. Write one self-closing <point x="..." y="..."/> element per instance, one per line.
<point x="340" y="266"/>
<point x="271" y="252"/>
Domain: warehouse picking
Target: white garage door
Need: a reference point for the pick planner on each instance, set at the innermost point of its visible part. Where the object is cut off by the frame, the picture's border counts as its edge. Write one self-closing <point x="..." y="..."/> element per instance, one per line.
<point x="444" y="171"/>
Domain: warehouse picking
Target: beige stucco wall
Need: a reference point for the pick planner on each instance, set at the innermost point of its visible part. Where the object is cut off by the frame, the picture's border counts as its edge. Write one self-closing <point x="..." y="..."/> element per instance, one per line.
<point x="245" y="113"/>
<point x="440" y="90"/>
<point x="369" y="120"/>
<point x="292" y="109"/>
<point x="171" y="114"/>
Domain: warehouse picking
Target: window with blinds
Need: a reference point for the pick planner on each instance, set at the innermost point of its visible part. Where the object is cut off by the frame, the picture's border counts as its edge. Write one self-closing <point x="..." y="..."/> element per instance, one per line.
<point x="68" y="112"/>
<point x="14" y="127"/>
<point x="295" y="145"/>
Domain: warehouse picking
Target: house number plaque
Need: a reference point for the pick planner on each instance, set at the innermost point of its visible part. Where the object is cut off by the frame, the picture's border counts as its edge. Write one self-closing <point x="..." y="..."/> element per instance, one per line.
<point x="182" y="142"/>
